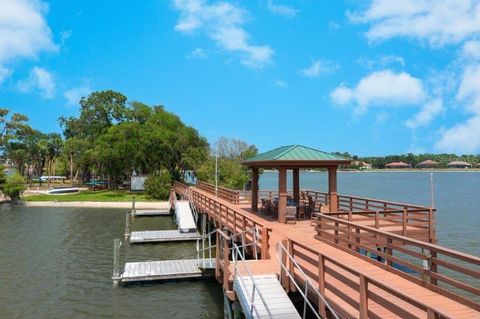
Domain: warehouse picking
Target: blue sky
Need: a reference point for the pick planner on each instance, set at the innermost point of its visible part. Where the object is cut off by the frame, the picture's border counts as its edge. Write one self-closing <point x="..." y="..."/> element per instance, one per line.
<point x="367" y="77"/>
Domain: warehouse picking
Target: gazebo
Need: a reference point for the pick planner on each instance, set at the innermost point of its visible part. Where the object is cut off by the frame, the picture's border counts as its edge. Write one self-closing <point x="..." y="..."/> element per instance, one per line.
<point x="295" y="157"/>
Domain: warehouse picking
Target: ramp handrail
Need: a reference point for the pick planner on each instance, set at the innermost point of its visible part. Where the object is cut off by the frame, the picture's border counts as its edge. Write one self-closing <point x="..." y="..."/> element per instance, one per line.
<point x="281" y="249"/>
<point x="244" y="244"/>
<point x="255" y="290"/>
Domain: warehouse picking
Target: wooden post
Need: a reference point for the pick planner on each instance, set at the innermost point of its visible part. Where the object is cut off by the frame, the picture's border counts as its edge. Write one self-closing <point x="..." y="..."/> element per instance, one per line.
<point x="133" y="206"/>
<point x="433" y="267"/>
<point x="389" y="252"/>
<point x="404" y="221"/>
<point x="264" y="253"/>
<point x="254" y="189"/>
<point x="116" y="259"/>
<point x="321" y="285"/>
<point x="336" y="232"/>
<point x="217" y="255"/>
<point x="357" y="239"/>
<point x="282" y="194"/>
<point x="296" y="185"/>
<point x="363" y="297"/>
<point x="284" y="279"/>
<point x="226" y="264"/>
<point x="332" y="188"/>
<point x="127" y="225"/>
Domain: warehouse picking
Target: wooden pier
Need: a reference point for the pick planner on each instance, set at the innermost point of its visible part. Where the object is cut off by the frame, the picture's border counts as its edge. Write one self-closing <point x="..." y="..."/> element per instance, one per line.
<point x="158" y="236"/>
<point x="334" y="251"/>
<point x="167" y="270"/>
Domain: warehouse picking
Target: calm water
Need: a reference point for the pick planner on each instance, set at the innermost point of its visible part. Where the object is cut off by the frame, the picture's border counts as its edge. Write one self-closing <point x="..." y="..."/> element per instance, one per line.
<point x="57" y="263"/>
<point x="456" y="196"/>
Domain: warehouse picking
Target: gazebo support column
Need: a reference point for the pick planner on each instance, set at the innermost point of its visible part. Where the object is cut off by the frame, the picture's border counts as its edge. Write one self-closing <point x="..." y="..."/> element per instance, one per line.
<point x="296" y="185"/>
<point x="254" y="188"/>
<point x="282" y="194"/>
<point x="332" y="188"/>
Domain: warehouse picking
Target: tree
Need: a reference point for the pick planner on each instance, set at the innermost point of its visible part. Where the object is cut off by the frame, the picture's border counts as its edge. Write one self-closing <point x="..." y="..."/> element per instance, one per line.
<point x="158" y="186"/>
<point x="14" y="187"/>
<point x="231" y="172"/>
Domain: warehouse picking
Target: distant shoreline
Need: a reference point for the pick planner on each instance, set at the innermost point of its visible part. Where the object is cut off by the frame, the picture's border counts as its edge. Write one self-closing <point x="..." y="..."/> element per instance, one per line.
<point x="138" y="205"/>
<point x="399" y="170"/>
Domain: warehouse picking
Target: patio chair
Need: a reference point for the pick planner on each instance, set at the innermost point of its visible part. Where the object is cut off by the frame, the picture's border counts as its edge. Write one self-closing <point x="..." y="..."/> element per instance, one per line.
<point x="291" y="214"/>
<point x="264" y="206"/>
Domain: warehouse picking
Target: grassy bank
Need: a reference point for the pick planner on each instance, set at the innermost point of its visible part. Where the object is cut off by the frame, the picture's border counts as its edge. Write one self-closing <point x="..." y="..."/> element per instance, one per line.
<point x="90" y="196"/>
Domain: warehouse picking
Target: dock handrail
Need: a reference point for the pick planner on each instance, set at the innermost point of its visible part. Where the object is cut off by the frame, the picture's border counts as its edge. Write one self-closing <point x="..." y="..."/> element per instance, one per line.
<point x="363" y="287"/>
<point x="281" y="250"/>
<point x="236" y="253"/>
<point x="391" y="247"/>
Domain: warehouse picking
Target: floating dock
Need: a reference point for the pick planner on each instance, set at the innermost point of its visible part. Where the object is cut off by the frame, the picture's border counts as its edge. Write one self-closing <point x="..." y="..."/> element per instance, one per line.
<point x="167" y="270"/>
<point x="184" y="217"/>
<point x="150" y="212"/>
<point x="279" y="304"/>
<point x="158" y="236"/>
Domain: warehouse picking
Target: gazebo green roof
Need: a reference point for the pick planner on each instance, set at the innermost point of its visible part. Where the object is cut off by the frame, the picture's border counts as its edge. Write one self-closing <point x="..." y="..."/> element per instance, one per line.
<point x="297" y="154"/>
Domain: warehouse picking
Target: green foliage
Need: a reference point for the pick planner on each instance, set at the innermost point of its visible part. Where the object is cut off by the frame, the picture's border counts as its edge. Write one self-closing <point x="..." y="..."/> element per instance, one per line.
<point x="90" y="196"/>
<point x="14" y="186"/>
<point x="158" y="186"/>
<point x="231" y="173"/>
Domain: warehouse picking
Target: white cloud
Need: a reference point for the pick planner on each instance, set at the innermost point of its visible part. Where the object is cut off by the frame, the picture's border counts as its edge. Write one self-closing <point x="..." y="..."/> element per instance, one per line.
<point x="381" y="88"/>
<point x="319" y="67"/>
<point x="23" y="29"/>
<point x="427" y="114"/>
<point x="5" y="73"/>
<point x="469" y="89"/>
<point x="280" y="84"/>
<point x="437" y="22"/>
<point x="198" y="53"/>
<point x="471" y="49"/>
<point x="281" y="9"/>
<point x="222" y="22"/>
<point x="462" y="138"/>
<point x="465" y="137"/>
<point x="382" y="62"/>
<point x="74" y="95"/>
<point x="65" y="35"/>
<point x="41" y="80"/>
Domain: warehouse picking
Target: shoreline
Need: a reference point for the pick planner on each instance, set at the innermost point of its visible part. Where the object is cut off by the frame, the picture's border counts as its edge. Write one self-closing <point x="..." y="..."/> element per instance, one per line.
<point x="138" y="205"/>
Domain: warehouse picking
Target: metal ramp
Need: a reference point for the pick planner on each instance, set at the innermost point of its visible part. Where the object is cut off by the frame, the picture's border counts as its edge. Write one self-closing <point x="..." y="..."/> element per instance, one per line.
<point x="273" y="303"/>
<point x="184" y="217"/>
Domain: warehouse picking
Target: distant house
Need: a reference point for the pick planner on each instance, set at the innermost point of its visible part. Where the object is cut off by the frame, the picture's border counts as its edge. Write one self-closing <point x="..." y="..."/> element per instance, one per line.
<point x="398" y="165"/>
<point x="459" y="164"/>
<point x="361" y="165"/>
<point x="428" y="164"/>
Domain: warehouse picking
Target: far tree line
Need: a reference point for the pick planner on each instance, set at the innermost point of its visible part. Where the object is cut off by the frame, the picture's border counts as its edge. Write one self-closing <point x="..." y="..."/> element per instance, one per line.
<point x="414" y="159"/>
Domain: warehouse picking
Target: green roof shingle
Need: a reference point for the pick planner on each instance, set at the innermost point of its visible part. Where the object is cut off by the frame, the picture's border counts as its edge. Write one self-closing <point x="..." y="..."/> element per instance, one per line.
<point x="296" y="153"/>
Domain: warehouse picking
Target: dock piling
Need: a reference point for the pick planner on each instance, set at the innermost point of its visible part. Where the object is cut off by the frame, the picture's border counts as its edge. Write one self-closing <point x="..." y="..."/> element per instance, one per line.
<point x="116" y="261"/>
<point x="127" y="225"/>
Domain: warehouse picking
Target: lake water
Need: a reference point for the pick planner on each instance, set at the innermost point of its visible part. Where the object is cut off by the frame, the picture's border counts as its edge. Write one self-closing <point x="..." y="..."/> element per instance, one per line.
<point x="57" y="262"/>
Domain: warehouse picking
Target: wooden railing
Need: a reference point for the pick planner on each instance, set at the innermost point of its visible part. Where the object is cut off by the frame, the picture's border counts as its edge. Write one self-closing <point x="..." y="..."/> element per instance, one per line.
<point x="416" y="221"/>
<point x="229" y="195"/>
<point x="449" y="272"/>
<point x="370" y="289"/>
<point x="230" y="217"/>
<point x="222" y="267"/>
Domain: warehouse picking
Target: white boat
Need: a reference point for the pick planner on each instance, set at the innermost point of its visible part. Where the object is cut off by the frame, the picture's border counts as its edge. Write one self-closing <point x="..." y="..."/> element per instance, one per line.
<point x="63" y="190"/>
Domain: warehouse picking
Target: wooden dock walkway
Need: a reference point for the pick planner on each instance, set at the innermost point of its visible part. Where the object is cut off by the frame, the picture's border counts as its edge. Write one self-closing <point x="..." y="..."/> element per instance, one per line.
<point x="167" y="270"/>
<point x="150" y="212"/>
<point x="354" y="285"/>
<point x="157" y="236"/>
<point x="279" y="304"/>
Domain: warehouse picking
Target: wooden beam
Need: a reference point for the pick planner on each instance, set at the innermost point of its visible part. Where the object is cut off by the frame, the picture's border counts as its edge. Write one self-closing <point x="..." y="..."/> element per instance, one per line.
<point x="254" y="188"/>
<point x="296" y="184"/>
<point x="332" y="188"/>
<point x="282" y="194"/>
